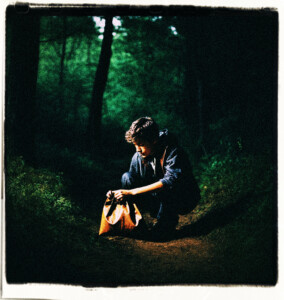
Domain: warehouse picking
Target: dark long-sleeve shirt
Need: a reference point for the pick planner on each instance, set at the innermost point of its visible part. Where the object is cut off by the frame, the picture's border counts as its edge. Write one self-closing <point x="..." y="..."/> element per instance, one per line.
<point x="177" y="172"/>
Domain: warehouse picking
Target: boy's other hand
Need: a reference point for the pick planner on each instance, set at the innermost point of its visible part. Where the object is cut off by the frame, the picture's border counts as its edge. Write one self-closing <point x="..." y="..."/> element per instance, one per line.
<point x="109" y="194"/>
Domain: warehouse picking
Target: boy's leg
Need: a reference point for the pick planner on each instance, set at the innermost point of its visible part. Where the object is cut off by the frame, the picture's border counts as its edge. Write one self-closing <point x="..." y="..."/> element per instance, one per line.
<point x="168" y="211"/>
<point x="129" y="181"/>
<point x="167" y="217"/>
<point x="146" y="202"/>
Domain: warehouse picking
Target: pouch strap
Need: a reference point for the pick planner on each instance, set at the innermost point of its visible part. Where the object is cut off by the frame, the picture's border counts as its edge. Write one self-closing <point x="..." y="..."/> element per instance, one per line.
<point x="112" y="202"/>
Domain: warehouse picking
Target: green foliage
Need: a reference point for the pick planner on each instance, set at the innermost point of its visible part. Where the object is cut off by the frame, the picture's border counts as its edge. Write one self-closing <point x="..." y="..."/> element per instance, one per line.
<point x="226" y="179"/>
<point x="150" y="78"/>
<point x="37" y="197"/>
<point x="148" y="75"/>
<point x="42" y="222"/>
<point x="78" y="69"/>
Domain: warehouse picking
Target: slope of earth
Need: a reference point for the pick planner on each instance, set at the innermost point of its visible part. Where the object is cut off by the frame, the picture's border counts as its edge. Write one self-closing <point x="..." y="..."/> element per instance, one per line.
<point x="232" y="245"/>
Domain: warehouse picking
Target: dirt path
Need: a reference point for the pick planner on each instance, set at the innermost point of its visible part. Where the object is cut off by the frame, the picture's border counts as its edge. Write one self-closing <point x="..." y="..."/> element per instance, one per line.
<point x="179" y="247"/>
<point x="212" y="248"/>
<point x="119" y="260"/>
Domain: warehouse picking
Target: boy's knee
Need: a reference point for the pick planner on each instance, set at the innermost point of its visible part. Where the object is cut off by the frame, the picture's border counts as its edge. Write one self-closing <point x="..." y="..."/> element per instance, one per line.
<point x="126" y="180"/>
<point x="126" y="176"/>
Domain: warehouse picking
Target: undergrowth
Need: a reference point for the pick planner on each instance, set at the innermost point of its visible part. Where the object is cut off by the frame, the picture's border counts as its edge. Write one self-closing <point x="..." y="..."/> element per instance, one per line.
<point x="238" y="212"/>
<point x="224" y="180"/>
<point x="43" y="226"/>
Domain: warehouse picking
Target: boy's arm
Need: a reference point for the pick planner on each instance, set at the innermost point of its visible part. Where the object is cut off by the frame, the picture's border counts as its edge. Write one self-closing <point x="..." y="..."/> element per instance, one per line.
<point x="147" y="188"/>
<point x="120" y="194"/>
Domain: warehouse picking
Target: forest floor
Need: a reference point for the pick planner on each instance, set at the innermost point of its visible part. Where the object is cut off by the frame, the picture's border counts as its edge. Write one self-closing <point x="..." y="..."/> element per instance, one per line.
<point x="227" y="239"/>
<point x="148" y="262"/>
<point x="224" y="247"/>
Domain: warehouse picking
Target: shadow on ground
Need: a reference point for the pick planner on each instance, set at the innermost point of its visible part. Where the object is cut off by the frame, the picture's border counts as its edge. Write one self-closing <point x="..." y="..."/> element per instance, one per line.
<point x="214" y="219"/>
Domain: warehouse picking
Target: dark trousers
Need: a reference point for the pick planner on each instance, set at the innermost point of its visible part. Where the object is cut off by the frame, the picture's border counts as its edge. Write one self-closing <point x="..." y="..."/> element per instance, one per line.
<point x="165" y="200"/>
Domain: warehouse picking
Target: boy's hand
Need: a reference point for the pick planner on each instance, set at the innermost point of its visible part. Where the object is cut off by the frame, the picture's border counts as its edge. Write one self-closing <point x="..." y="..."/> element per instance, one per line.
<point x="122" y="194"/>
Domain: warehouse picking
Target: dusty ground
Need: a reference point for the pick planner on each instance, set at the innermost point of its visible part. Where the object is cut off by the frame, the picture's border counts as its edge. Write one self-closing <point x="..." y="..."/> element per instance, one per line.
<point x="205" y="250"/>
<point x="119" y="260"/>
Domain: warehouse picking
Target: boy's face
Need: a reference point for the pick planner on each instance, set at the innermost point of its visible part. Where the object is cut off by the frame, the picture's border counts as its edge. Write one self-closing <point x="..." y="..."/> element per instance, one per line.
<point x="144" y="148"/>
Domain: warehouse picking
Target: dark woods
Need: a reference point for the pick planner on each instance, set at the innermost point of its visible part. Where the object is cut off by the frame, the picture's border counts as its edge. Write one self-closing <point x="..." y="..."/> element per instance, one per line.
<point x="22" y="72"/>
<point x="74" y="84"/>
<point x="215" y="73"/>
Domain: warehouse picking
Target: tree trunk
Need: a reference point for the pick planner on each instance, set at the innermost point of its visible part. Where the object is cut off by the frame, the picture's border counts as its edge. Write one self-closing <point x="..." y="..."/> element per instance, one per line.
<point x="23" y="59"/>
<point x="62" y="59"/>
<point x="95" y="118"/>
<point x="193" y="94"/>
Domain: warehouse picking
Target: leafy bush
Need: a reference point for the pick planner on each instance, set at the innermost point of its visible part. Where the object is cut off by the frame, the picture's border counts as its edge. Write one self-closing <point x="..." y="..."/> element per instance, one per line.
<point x="225" y="179"/>
<point x="43" y="226"/>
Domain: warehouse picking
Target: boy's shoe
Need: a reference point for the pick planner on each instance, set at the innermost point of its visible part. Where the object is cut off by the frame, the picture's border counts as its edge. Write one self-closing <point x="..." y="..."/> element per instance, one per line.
<point x="141" y="232"/>
<point x="161" y="232"/>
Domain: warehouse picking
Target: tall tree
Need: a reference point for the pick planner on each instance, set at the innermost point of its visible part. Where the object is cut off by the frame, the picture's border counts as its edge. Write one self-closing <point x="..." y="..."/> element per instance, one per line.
<point x="22" y="71"/>
<point x="95" y="118"/>
<point x="62" y="59"/>
<point x="193" y="91"/>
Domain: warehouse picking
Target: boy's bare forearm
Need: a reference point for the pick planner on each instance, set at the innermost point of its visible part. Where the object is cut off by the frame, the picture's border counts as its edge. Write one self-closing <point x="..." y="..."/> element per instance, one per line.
<point x="148" y="188"/>
<point x="121" y="194"/>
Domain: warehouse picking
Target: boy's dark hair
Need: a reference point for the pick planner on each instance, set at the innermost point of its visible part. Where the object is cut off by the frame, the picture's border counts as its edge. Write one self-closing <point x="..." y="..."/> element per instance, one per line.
<point x="144" y="128"/>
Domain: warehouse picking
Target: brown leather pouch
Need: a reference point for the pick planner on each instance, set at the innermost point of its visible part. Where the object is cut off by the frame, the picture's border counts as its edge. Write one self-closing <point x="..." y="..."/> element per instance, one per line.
<point x="119" y="217"/>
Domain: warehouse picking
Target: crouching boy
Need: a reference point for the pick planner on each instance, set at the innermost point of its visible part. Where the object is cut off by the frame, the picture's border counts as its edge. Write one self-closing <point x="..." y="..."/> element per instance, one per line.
<point x="159" y="170"/>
